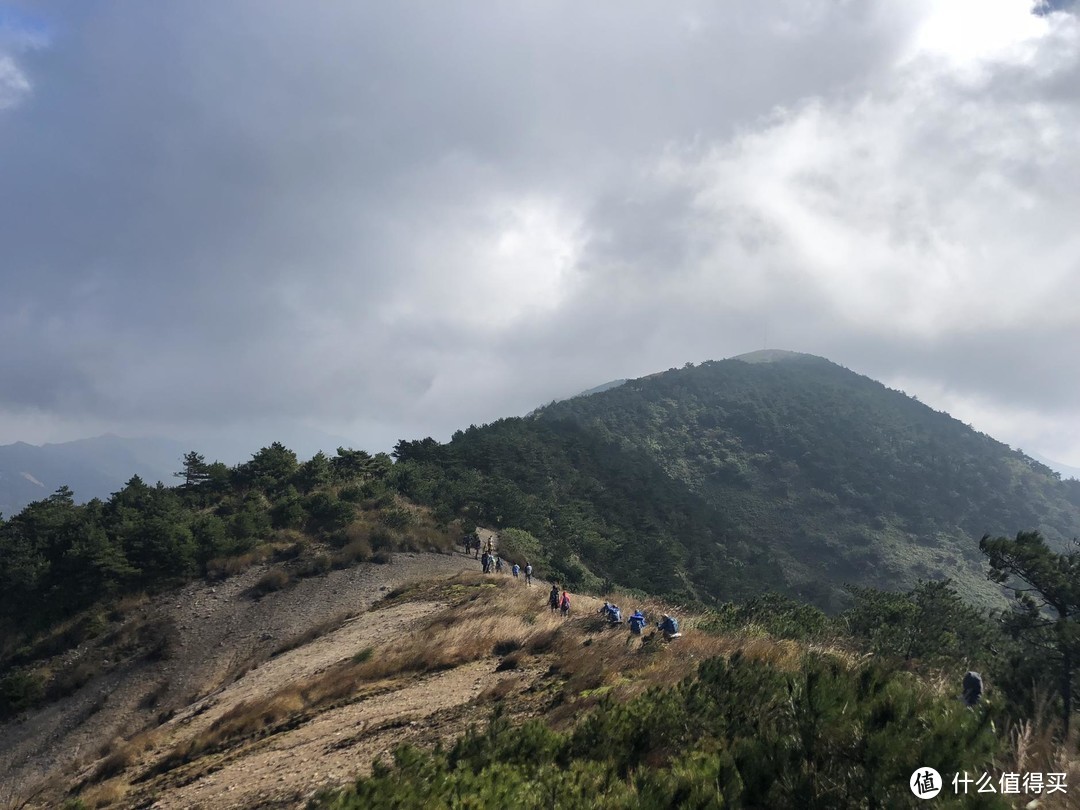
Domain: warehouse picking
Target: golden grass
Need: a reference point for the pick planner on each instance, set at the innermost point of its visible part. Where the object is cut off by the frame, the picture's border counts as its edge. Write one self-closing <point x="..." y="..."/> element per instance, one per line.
<point x="1035" y="746"/>
<point x="106" y="794"/>
<point x="494" y="617"/>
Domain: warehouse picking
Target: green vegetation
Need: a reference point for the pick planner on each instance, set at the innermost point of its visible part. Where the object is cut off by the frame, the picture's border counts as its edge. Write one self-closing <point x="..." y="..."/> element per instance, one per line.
<point x="767" y="722"/>
<point x="754" y="728"/>
<point x="64" y="564"/>
<point x="1046" y="616"/>
<point x="738" y="733"/>
<point x="733" y="478"/>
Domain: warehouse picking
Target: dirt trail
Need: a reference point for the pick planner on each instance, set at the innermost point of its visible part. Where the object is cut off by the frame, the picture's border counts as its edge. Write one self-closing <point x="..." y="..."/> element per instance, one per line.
<point x="224" y="652"/>
<point x="217" y="632"/>
<point x="336" y="746"/>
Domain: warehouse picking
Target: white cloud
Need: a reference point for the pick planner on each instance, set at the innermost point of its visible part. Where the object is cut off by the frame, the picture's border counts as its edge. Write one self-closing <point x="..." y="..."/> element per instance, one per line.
<point x="14" y="85"/>
<point x="904" y="205"/>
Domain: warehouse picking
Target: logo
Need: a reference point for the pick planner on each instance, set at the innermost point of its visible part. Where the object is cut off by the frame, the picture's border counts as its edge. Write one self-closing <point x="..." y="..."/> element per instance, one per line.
<point x="925" y="783"/>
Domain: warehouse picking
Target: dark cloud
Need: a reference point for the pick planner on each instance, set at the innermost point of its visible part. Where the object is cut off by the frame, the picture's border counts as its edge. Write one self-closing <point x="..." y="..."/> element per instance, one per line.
<point x="394" y="221"/>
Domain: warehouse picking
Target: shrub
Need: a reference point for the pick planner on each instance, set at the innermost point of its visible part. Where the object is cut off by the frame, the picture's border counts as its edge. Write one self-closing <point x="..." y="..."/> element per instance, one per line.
<point x="70" y="680"/>
<point x="273" y="580"/>
<point x="517" y="545"/>
<point x="317" y="565"/>
<point x="19" y="690"/>
<point x="353" y="493"/>
<point x="356" y="551"/>
<point x="396" y="518"/>
<point x="158" y="638"/>
<point x="382" y="539"/>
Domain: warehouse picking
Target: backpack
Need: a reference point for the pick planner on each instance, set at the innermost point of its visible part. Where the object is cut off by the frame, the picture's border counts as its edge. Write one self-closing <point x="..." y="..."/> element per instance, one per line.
<point x="565" y="601"/>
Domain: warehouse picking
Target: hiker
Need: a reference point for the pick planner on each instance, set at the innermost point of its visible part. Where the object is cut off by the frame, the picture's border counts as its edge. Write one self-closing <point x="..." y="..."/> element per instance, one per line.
<point x="528" y="573"/>
<point x="564" y="604"/>
<point x="476" y="547"/>
<point x="515" y="570"/>
<point x="490" y="547"/>
<point x="973" y="688"/>
<point x="637" y="622"/>
<point x="553" y="598"/>
<point x="486" y="562"/>
<point x="466" y="542"/>
<point x="611" y="613"/>
<point x="669" y="626"/>
<point x="498" y="564"/>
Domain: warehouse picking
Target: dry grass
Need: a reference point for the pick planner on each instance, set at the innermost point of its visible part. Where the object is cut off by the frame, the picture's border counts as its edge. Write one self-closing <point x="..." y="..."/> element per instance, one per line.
<point x="273" y="580"/>
<point x="127" y="605"/>
<point x="1035" y="746"/>
<point x="489" y="618"/>
<point x="119" y="755"/>
<point x="225" y="567"/>
<point x="107" y="794"/>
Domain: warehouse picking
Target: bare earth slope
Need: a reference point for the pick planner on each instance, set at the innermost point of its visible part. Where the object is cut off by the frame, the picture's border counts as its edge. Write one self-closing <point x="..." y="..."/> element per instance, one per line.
<point x="219" y="654"/>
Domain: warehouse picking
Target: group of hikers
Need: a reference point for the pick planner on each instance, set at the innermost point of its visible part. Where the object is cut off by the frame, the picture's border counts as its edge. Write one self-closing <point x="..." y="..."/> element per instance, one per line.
<point x="559" y="600"/>
<point x="492" y="562"/>
<point x="668" y="625"/>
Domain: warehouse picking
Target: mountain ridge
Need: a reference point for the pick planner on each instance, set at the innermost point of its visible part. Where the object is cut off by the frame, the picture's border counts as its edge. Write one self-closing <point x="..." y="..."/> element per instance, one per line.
<point x="787" y="460"/>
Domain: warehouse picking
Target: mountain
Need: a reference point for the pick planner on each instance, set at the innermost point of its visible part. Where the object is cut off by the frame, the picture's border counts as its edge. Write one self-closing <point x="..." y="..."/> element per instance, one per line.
<point x="1064" y="470"/>
<point x="774" y="470"/>
<point x="599" y="389"/>
<point x="92" y="468"/>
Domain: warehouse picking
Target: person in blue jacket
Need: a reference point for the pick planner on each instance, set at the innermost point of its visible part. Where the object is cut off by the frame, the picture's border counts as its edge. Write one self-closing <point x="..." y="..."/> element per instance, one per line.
<point x="669" y="626"/>
<point x="637" y="622"/>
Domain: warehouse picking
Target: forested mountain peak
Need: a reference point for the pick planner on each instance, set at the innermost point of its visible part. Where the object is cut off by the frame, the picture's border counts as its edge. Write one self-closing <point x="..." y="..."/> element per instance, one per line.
<point x="769" y="470"/>
<point x="775" y="356"/>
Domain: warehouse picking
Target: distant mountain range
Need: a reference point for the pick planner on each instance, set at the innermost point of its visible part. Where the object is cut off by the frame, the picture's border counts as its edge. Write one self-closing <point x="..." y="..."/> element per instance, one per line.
<point x="92" y="468"/>
<point x="1064" y="470"/>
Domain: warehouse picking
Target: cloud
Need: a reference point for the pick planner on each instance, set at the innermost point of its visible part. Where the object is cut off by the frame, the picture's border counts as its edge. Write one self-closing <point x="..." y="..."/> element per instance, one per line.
<point x="396" y="221"/>
<point x="930" y="213"/>
<point x="14" y="86"/>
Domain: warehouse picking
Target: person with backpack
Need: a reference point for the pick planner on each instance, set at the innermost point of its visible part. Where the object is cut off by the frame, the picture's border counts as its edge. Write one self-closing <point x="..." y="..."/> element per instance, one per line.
<point x="637" y="622"/>
<point x="528" y="573"/>
<point x="553" y="598"/>
<point x="498" y="564"/>
<point x="669" y="626"/>
<point x="515" y="570"/>
<point x="485" y="561"/>
<point x="611" y="613"/>
<point x="973" y="688"/>
<point x="564" y="604"/>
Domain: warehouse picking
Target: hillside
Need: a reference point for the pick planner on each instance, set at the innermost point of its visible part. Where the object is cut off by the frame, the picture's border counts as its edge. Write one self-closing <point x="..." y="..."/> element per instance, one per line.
<point x="269" y="703"/>
<point x="774" y="470"/>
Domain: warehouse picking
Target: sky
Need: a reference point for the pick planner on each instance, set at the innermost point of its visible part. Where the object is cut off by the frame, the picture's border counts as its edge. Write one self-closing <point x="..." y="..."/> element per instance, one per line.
<point x="237" y="220"/>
